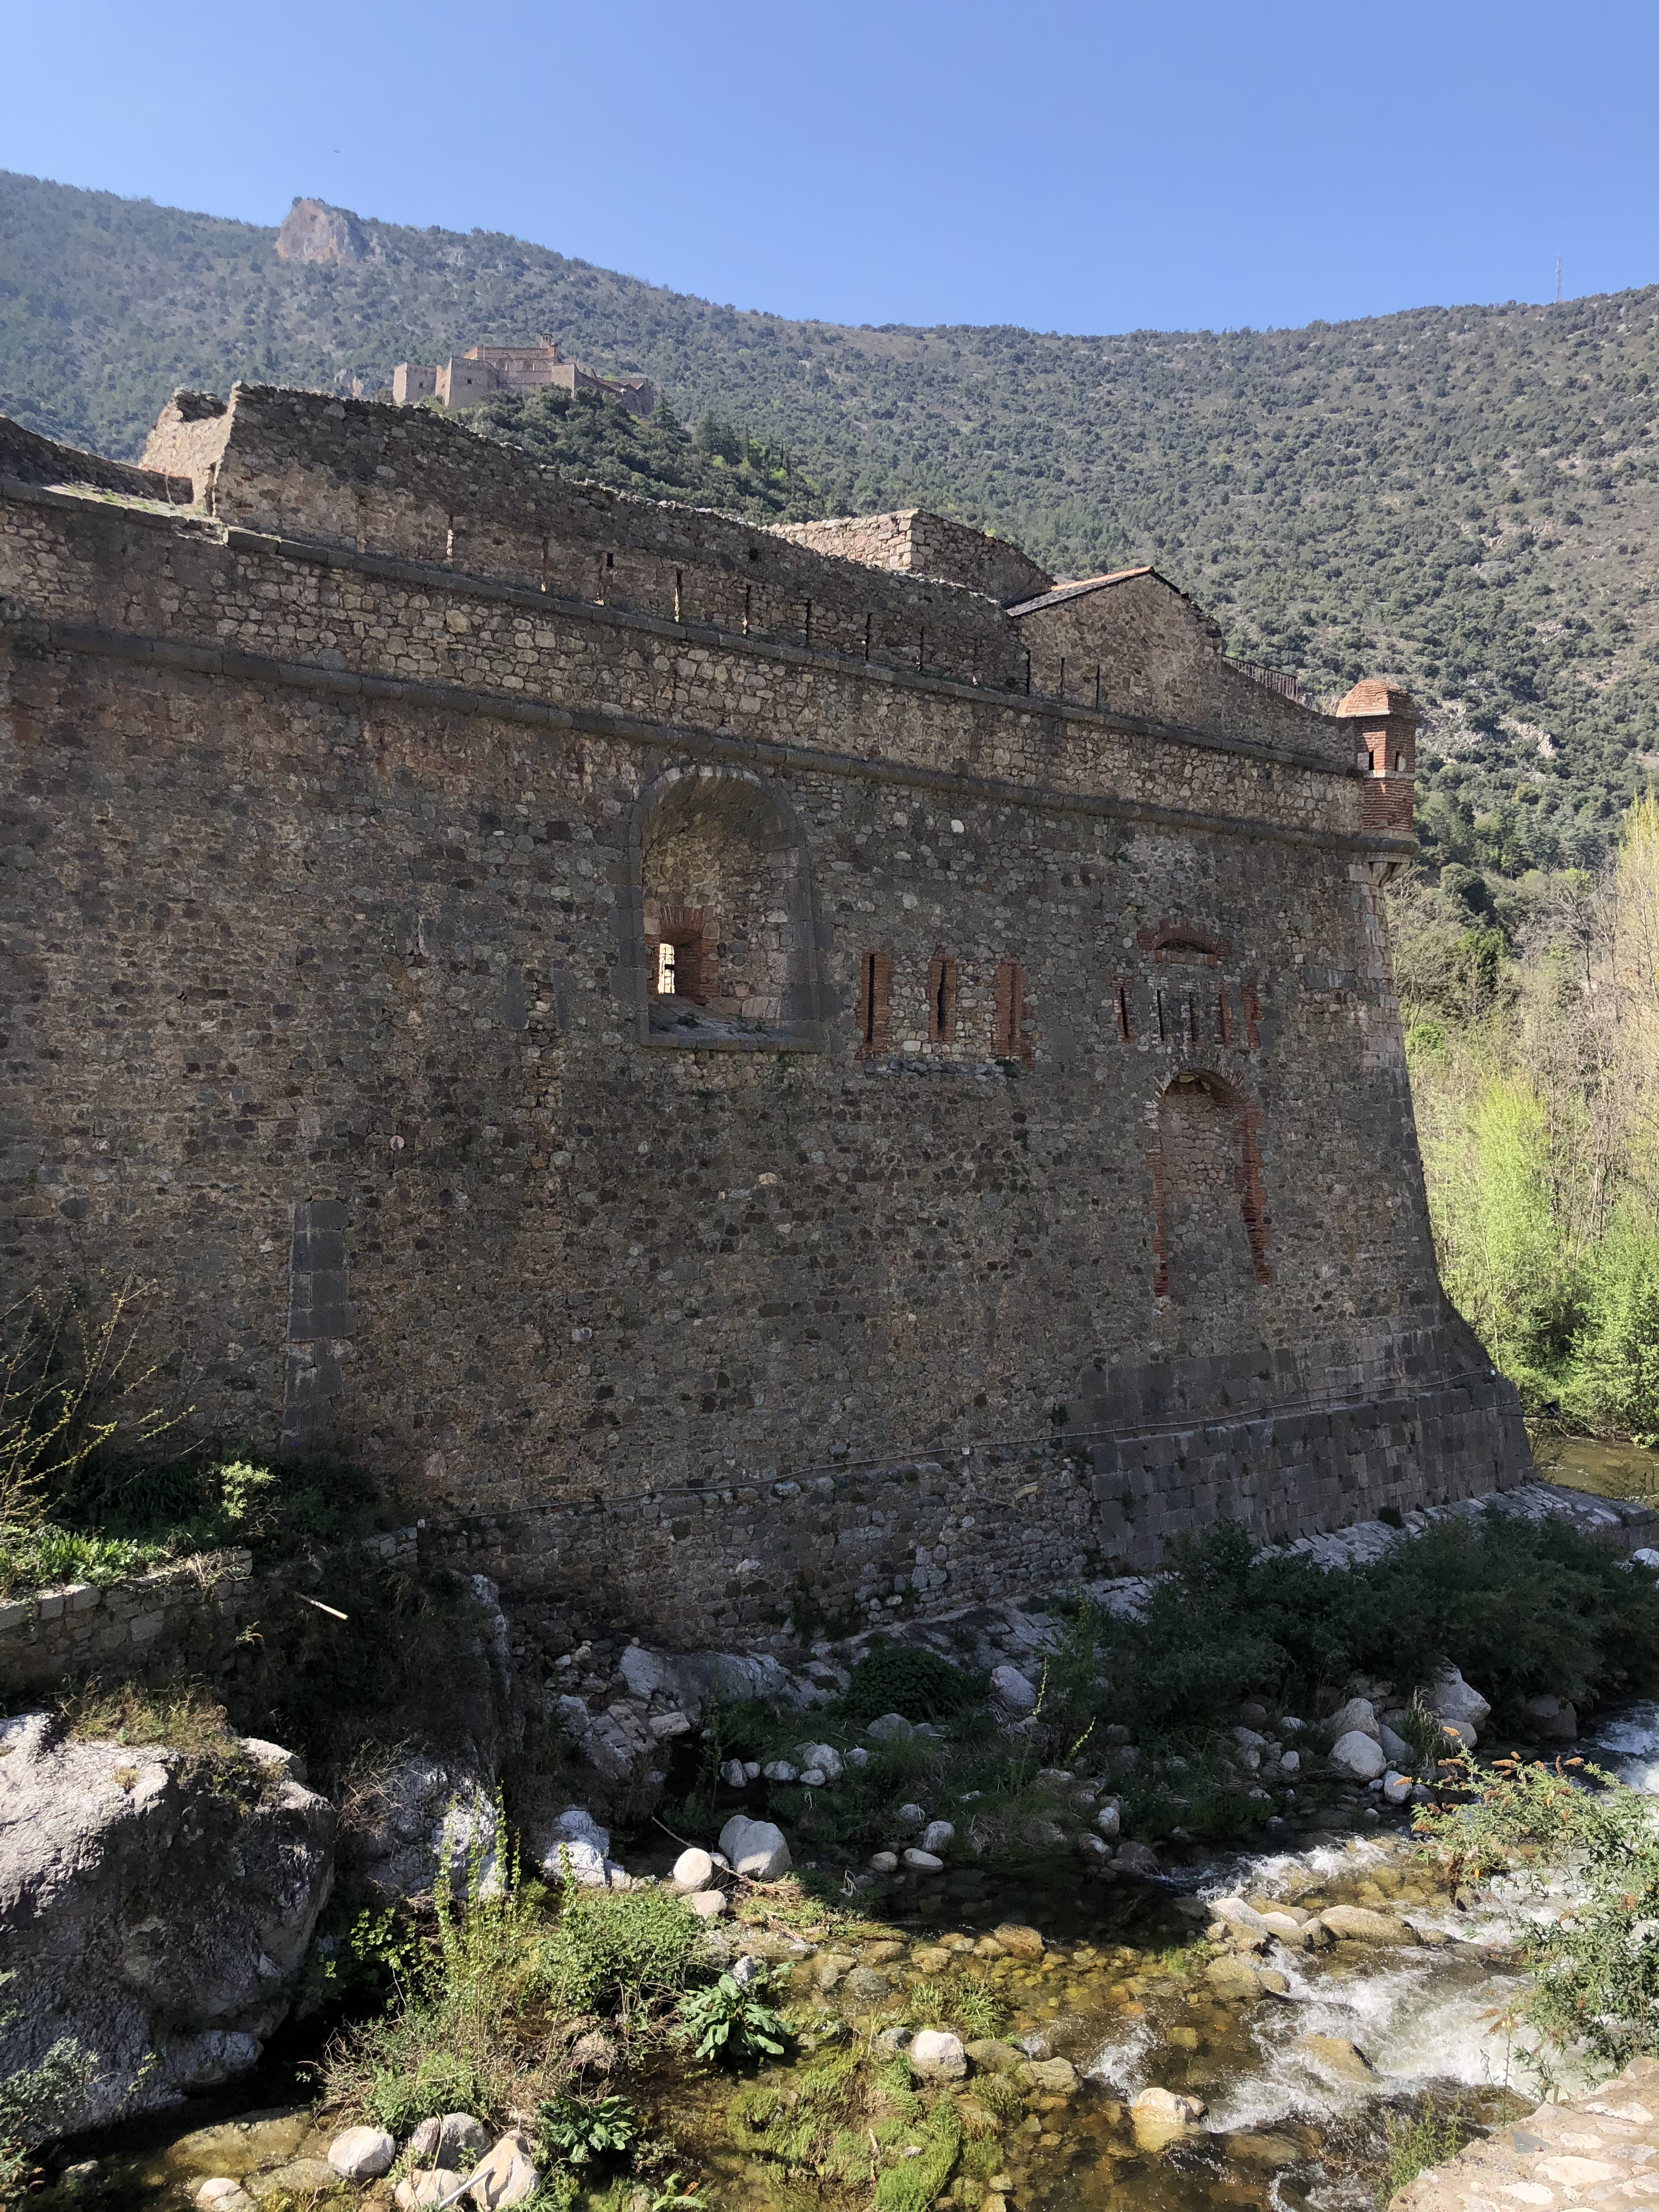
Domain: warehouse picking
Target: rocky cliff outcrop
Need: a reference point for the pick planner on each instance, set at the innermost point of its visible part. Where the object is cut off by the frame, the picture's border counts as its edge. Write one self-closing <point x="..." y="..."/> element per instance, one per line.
<point x="155" y="1907"/>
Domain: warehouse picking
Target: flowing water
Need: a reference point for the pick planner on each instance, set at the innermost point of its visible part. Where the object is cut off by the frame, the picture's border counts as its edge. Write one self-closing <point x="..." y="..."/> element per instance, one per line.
<point x="1286" y="2126"/>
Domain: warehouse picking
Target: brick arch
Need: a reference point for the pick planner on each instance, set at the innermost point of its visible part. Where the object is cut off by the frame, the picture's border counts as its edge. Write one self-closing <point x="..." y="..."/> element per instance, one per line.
<point x="1207" y="1201"/>
<point x="720" y="869"/>
<point x="1174" y="939"/>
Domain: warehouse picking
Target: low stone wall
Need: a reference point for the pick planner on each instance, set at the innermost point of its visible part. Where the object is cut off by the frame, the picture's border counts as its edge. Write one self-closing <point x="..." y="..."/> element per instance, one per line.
<point x="1595" y="2152"/>
<point x="193" y="1612"/>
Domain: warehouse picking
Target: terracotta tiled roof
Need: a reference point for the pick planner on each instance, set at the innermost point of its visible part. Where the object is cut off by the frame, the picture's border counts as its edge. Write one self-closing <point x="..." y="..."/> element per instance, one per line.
<point x="1375" y="694"/>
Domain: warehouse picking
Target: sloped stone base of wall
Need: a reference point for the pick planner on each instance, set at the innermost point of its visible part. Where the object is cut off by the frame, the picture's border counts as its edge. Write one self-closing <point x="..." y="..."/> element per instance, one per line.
<point x="841" y="1547"/>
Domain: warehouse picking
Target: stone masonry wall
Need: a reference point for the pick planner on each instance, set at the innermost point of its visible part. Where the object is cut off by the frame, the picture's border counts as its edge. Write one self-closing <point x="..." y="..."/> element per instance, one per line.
<point x="918" y="543"/>
<point x="178" y="1615"/>
<point x="329" y="1010"/>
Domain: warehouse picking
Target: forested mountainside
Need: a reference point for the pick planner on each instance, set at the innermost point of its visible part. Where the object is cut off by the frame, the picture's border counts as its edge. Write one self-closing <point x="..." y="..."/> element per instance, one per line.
<point x="1466" y="497"/>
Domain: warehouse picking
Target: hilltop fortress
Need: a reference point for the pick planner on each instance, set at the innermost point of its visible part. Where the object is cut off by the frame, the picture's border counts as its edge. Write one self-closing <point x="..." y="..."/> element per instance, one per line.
<point x="760" y="1075"/>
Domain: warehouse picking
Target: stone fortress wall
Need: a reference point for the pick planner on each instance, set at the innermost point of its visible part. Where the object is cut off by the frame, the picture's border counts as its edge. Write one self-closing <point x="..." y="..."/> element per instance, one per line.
<point x="697" y="1053"/>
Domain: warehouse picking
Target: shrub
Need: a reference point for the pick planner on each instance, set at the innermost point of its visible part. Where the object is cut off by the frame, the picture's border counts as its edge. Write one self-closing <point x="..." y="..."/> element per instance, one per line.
<point x="611" y="1946"/>
<point x="1415" y="2144"/>
<point x="35" y="2101"/>
<point x="897" y="1677"/>
<point x="729" y="2020"/>
<point x="578" y="2128"/>
<point x="1595" y="1984"/>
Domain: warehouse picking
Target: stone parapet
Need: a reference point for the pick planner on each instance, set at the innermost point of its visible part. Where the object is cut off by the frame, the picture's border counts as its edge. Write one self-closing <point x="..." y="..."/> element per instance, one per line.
<point x="192" y="1613"/>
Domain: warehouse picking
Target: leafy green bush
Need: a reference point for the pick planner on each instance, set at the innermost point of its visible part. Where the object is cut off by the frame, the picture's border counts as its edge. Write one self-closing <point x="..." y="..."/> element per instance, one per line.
<point x="728" y="2019"/>
<point x="1595" y="1982"/>
<point x="1520" y="1607"/>
<point x="612" y="1947"/>
<point x="579" y="2128"/>
<point x="424" y="2086"/>
<point x="898" y="1678"/>
<point x="34" y="2102"/>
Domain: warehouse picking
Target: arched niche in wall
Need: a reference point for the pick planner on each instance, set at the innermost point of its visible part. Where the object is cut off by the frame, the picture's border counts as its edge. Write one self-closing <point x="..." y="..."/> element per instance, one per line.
<point x="725" y="939"/>
<point x="1209" y="1219"/>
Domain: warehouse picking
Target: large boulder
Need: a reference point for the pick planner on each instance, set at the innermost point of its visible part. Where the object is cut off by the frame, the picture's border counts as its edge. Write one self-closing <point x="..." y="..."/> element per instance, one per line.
<point x="1358" y="1756"/>
<point x="755" y="1848"/>
<point x="155" y="1909"/>
<point x="420" y="1819"/>
<point x="1464" y="1709"/>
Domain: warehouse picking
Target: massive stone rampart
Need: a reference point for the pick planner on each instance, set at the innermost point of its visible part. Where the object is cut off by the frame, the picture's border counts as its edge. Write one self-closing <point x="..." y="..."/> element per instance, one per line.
<point x="571" y="1057"/>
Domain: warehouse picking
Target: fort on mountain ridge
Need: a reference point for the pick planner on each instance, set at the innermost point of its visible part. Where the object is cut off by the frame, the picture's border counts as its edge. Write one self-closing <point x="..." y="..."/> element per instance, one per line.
<point x="758" y="1073"/>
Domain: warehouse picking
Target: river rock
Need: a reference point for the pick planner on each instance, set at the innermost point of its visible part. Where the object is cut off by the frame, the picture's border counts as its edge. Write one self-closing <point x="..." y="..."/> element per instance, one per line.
<point x="1012" y="1690"/>
<point x="866" y="1987"/>
<point x="1019" y="1942"/>
<point x="154" y="1915"/>
<point x="1452" y="1699"/>
<point x="1056" y="2077"/>
<point x="937" y="1834"/>
<point x="822" y="1756"/>
<point x="1397" y="1788"/>
<point x="644" y="1672"/>
<point x="1161" y="2116"/>
<point x="1553" y="1720"/>
<point x="755" y="1848"/>
<point x="991" y="2055"/>
<point x="1334" y="2054"/>
<point x="1358" y="1756"/>
<point x="707" y="1903"/>
<point x="362" y="2153"/>
<point x="883" y="1862"/>
<point x="422" y="2149"/>
<point x="936" y="2055"/>
<point x="1357" y="1714"/>
<point x="1235" y="1913"/>
<point x="507" y="2175"/>
<point x="923" y="1862"/>
<point x="306" y="2177"/>
<point x="1358" y="1923"/>
<point x="1285" y="1928"/>
<point x="780" y="1770"/>
<point x="461" y="2140"/>
<point x="1137" y="1859"/>
<point x="420" y="1820"/>
<point x="694" y="1869"/>
<point x="1233" y="1977"/>
<point x="1109" y="1820"/>
<point x="889" y="1727"/>
<point x="221" y="2193"/>
<point x="428" y="2187"/>
<point x="1395" y="1749"/>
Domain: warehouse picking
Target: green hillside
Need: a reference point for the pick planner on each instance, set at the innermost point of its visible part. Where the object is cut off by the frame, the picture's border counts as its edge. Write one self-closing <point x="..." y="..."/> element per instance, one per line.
<point x="1466" y="497"/>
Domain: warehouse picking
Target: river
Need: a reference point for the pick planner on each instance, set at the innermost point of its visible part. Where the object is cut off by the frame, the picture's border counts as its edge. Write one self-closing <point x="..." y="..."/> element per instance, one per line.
<point x="1287" y="2124"/>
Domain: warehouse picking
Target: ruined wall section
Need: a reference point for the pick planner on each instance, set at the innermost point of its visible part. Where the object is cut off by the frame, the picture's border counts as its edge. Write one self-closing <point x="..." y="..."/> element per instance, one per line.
<point x="913" y="542"/>
<point x="27" y="458"/>
<point x="406" y="482"/>
<point x="1157" y="654"/>
<point x="352" y="613"/>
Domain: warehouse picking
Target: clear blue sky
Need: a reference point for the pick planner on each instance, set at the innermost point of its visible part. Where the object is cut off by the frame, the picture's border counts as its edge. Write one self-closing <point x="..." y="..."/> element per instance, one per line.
<point x="1073" y="166"/>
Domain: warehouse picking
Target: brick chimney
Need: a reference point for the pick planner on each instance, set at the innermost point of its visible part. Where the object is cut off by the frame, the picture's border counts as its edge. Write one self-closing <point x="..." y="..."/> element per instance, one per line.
<point x="1385" y="744"/>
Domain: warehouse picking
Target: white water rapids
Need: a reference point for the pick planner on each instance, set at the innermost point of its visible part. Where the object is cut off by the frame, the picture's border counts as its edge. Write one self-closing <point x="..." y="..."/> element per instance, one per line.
<point x="1427" y="2019"/>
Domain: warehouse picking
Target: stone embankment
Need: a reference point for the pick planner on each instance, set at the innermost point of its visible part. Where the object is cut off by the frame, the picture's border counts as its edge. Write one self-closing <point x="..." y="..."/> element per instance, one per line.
<point x="1596" y="2152"/>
